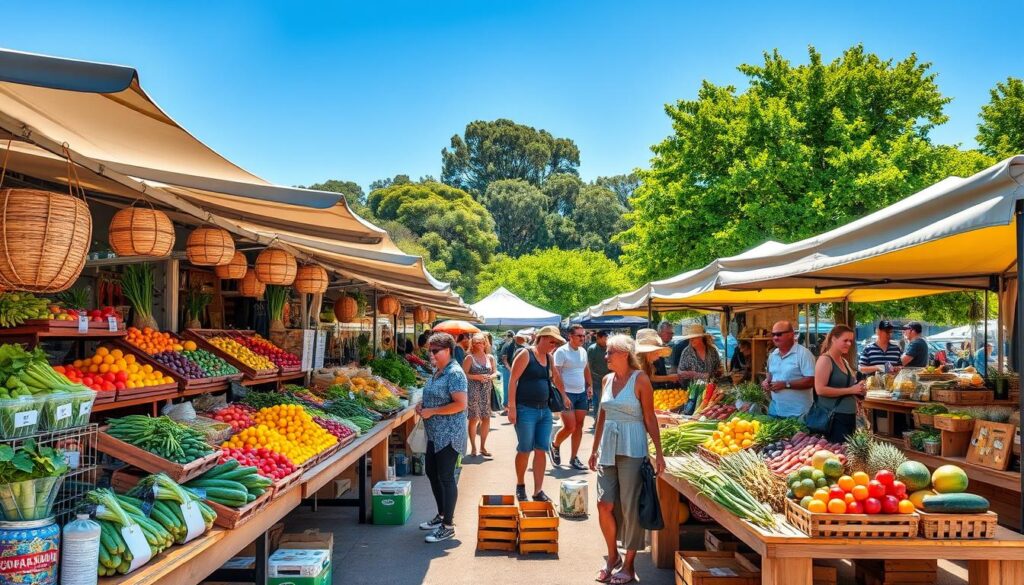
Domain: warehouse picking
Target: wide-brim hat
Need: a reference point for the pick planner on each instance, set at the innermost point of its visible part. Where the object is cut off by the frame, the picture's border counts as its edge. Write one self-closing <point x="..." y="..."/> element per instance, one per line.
<point x="694" y="330"/>
<point x="648" y="340"/>
<point x="549" y="331"/>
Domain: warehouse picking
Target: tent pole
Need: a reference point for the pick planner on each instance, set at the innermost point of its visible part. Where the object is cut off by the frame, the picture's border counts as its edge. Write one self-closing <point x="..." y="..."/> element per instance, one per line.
<point x="725" y="336"/>
<point x="650" y="312"/>
<point x="374" y="322"/>
<point x="1018" y="347"/>
<point x="1003" y="358"/>
<point x="984" y="334"/>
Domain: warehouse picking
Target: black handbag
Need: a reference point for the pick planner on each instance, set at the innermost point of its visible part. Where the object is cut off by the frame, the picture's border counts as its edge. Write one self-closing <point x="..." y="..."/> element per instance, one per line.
<point x="650" y="507"/>
<point x="819" y="419"/>
<point x="554" y="396"/>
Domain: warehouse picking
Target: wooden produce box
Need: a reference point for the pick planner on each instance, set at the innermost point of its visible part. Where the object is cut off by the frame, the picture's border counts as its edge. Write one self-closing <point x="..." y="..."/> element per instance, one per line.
<point x="963" y="397"/>
<point x="285" y="484"/>
<point x="954" y="443"/>
<point x="852" y="525"/>
<point x="154" y="463"/>
<point x="538" y="528"/>
<point x="958" y="526"/>
<point x="202" y="336"/>
<point x="498" y="521"/>
<point x="147" y="392"/>
<point x="896" y="572"/>
<point x="956" y="425"/>
<point x="715" y="568"/>
<point x="923" y="420"/>
<point x="721" y="540"/>
<point x="230" y="518"/>
<point x="215" y="382"/>
<point x="70" y="328"/>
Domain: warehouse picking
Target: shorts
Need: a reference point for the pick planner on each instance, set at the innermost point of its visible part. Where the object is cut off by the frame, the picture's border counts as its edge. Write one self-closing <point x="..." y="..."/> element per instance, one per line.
<point x="533" y="428"/>
<point x="579" y="401"/>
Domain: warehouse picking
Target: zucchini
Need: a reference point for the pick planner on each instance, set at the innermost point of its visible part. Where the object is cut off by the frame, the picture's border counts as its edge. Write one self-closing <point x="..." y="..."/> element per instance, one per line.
<point x="208" y="484"/>
<point x="955" y="504"/>
<point x="225" y="467"/>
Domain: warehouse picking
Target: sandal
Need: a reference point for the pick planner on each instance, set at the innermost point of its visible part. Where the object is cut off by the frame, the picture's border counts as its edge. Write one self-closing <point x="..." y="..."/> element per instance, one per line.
<point x="621" y="578"/>
<point x="605" y="574"/>
<point x="485" y="452"/>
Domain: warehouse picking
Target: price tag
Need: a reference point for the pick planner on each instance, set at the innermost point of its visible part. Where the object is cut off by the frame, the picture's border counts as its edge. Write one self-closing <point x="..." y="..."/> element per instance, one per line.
<point x="193" y="520"/>
<point x="27" y="418"/>
<point x="722" y="572"/>
<point x="84" y="409"/>
<point x="112" y="323"/>
<point x="199" y="492"/>
<point x="136" y="541"/>
<point x="62" y="412"/>
<point x="83" y="323"/>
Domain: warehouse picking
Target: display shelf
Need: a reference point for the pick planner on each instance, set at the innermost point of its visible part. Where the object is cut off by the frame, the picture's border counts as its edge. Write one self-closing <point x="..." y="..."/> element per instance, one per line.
<point x="273" y="379"/>
<point x="182" y="382"/>
<point x="1009" y="480"/>
<point x="135" y="401"/>
<point x="202" y="339"/>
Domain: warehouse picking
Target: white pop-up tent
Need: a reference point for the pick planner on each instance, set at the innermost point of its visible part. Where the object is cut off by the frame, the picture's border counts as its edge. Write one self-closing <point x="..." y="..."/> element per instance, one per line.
<point x="502" y="308"/>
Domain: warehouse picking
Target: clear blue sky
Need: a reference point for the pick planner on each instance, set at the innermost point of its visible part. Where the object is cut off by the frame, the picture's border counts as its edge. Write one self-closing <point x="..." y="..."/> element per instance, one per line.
<point x="299" y="92"/>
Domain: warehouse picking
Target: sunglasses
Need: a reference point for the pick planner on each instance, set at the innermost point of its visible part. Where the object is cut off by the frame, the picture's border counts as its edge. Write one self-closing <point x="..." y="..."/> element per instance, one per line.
<point x="781" y="333"/>
<point x="436" y="350"/>
<point x="578" y="335"/>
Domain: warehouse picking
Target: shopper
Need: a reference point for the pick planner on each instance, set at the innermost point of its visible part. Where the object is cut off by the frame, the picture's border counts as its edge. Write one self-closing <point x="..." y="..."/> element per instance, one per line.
<point x="571" y="362"/>
<point x="700" y="359"/>
<point x="739" y="365"/>
<point x="652" y="353"/>
<point x="836" y="385"/>
<point x="532" y="381"/>
<point x="461" y="347"/>
<point x="443" y="410"/>
<point x="982" y="358"/>
<point x="624" y="422"/>
<point x="916" y="353"/>
<point x="598" y="367"/>
<point x="664" y="369"/>
<point x="882" y="355"/>
<point x="508" y="353"/>
<point x="790" y="374"/>
<point x="480" y="370"/>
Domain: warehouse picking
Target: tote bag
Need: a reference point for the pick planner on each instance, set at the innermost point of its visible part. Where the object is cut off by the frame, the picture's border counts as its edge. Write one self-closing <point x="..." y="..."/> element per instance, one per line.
<point x="650" y="507"/>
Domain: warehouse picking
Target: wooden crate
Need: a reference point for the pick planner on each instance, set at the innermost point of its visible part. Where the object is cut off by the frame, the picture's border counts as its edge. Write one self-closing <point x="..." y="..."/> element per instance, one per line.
<point x="954" y="443"/>
<point x="201" y="337"/>
<point x="923" y="420"/>
<point x="958" y="526"/>
<point x="956" y="425"/>
<point x="497" y="523"/>
<point x="537" y="524"/>
<point x="285" y="484"/>
<point x="896" y="572"/>
<point x="963" y="397"/>
<point x="852" y="525"/>
<point x="154" y="463"/>
<point x="822" y="575"/>
<point x="230" y="518"/>
<point x="695" y="568"/>
<point x="147" y="392"/>
<point x="185" y="383"/>
<point x="720" y="540"/>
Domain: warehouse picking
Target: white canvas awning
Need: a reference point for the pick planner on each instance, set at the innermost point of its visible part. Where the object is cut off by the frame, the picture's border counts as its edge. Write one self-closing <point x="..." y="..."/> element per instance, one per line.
<point x="502" y="308"/>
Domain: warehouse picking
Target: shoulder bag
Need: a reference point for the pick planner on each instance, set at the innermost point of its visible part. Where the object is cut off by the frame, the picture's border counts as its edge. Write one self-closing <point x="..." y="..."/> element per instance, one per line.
<point x="554" y="396"/>
<point x="649" y="508"/>
<point x="819" y="418"/>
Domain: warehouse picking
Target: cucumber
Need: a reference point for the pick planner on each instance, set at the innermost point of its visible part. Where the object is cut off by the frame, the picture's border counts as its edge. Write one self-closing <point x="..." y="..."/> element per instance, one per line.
<point x="215" y="483"/>
<point x="236" y="474"/>
<point x="234" y="498"/>
<point x="955" y="504"/>
<point x="225" y="467"/>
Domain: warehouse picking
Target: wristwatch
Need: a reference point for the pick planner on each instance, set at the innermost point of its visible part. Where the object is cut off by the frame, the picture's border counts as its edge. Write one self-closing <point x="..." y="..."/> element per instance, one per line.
<point x="788" y="387"/>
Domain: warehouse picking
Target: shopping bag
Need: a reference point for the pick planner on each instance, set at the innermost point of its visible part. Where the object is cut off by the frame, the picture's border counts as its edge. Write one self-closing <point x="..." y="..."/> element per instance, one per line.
<point x="418" y="438"/>
<point x="650" y="507"/>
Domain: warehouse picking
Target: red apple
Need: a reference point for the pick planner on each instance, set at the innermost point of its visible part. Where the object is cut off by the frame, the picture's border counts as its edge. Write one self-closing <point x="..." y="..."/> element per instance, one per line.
<point x="876" y="489"/>
<point x="898" y="489"/>
<point x="890" y="505"/>
<point x="872" y="506"/>
<point x="854" y="507"/>
<point x="885" y="477"/>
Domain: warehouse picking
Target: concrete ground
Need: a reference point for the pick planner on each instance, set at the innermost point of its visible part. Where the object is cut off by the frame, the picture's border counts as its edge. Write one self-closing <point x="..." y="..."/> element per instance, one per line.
<point x="368" y="554"/>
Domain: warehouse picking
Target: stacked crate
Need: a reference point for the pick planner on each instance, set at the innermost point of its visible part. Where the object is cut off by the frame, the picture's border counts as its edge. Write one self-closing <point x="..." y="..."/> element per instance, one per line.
<point x="896" y="571"/>
<point x="538" y="528"/>
<point x="498" y="523"/>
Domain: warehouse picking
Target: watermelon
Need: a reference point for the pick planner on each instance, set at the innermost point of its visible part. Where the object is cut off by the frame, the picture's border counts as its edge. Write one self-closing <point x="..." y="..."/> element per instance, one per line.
<point x="914" y="474"/>
<point x="949" y="479"/>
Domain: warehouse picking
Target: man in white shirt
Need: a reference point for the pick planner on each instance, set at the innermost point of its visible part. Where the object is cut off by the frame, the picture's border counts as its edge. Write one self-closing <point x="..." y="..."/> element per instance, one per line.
<point x="571" y="361"/>
<point x="790" y="380"/>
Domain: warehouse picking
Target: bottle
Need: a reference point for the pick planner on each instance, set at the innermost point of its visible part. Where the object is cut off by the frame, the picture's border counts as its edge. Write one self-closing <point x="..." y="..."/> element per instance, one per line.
<point x="80" y="552"/>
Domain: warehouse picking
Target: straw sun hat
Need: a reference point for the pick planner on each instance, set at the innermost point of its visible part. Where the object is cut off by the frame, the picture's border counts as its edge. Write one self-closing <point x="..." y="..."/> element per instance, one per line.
<point x="647" y="340"/>
<point x="549" y="331"/>
<point x="694" y="330"/>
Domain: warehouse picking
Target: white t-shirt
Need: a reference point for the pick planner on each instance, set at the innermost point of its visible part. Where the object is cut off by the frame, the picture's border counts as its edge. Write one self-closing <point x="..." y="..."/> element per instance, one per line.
<point x="571" y="363"/>
<point x="798" y="363"/>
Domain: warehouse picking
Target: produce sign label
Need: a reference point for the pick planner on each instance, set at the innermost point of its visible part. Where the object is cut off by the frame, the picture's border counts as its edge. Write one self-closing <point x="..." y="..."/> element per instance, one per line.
<point x="193" y="520"/>
<point x="112" y="323"/>
<point x="85" y="408"/>
<point x="29" y="563"/>
<point x="136" y="541"/>
<point x="83" y="323"/>
<point x="62" y="412"/>
<point x="27" y="418"/>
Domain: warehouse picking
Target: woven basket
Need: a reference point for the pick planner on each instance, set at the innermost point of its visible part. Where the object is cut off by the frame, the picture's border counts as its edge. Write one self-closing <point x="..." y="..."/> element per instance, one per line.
<point x="274" y="266"/>
<point x="141" y="231"/>
<point x="420" y="315"/>
<point x="232" y="270"/>
<point x="311" y="279"/>
<point x="44" y="239"/>
<point x="346" y="309"/>
<point x="387" y="305"/>
<point x="433" y="316"/>
<point x="250" y="286"/>
<point x="209" y="246"/>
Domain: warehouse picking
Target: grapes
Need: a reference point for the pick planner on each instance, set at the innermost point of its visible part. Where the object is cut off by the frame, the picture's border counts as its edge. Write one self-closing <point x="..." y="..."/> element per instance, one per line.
<point x="179" y="364"/>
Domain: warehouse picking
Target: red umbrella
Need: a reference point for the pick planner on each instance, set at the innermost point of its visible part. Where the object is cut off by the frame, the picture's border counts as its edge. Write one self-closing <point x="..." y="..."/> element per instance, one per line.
<point x="454" y="327"/>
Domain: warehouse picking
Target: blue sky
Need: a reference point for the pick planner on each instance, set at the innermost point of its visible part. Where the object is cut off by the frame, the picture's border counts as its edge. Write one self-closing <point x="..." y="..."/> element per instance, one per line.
<point x="299" y="92"/>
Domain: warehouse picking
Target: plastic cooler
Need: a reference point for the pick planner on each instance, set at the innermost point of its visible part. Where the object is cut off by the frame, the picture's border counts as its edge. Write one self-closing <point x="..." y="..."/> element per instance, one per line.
<point x="392" y="502"/>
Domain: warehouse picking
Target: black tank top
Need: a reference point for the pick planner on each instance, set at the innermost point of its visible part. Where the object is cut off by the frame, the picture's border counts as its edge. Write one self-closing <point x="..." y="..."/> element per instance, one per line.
<point x="533" y="386"/>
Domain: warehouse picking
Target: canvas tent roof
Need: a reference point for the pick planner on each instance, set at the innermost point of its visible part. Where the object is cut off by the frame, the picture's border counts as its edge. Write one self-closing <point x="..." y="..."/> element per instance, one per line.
<point x="502" y="308"/>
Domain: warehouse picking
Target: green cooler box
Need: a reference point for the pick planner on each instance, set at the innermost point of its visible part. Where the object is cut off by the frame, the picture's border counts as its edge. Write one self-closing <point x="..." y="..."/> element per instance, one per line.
<point x="299" y="567"/>
<point x="392" y="502"/>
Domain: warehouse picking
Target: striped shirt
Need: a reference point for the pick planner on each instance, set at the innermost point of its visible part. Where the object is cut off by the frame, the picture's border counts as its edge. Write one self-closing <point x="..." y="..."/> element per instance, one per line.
<point x="873" y="355"/>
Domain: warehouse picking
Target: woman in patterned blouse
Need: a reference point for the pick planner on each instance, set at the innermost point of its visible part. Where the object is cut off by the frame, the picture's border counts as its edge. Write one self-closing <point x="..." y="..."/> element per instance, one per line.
<point x="443" y="411"/>
<point x="700" y="359"/>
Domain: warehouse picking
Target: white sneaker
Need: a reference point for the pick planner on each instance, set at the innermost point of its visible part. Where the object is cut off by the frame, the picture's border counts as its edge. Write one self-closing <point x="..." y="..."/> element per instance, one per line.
<point x="431" y="524"/>
<point x="442" y="533"/>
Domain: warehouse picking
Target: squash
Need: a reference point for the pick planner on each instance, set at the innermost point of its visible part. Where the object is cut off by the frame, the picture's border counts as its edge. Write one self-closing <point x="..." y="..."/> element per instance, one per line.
<point x="955" y="504"/>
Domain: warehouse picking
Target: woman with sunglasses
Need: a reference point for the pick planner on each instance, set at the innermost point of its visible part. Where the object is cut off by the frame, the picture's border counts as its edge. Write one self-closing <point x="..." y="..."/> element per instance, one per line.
<point x="624" y="421"/>
<point x="481" y="371"/>
<point x="443" y="410"/>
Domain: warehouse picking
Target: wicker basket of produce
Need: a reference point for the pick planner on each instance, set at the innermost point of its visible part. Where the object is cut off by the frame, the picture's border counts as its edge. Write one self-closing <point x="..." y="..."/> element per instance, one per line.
<point x="44" y="241"/>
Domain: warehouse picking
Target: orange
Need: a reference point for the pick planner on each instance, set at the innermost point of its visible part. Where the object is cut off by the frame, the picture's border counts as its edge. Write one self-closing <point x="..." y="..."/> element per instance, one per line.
<point x="816" y="506"/>
<point x="906" y="507"/>
<point x="821" y="495"/>
<point x="861" y="478"/>
<point x="837" y="506"/>
<point x="846" y="483"/>
<point x="860" y="492"/>
<point x="849" y="498"/>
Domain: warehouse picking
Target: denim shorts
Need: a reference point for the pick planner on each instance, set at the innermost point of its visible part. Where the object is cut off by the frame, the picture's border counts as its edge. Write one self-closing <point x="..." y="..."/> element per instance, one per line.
<point x="533" y="428"/>
<point x="579" y="400"/>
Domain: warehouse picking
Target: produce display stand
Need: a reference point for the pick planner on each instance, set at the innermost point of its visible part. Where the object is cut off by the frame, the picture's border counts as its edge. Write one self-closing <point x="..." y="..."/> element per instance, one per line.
<point x="202" y="336"/>
<point x="191" y="385"/>
<point x="787" y="553"/>
<point x="277" y="380"/>
<point x="32" y="335"/>
<point x="154" y="463"/>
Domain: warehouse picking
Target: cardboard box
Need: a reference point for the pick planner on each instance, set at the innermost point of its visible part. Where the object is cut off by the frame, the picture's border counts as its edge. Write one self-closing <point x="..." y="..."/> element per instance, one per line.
<point x="334" y="489"/>
<point x="309" y="540"/>
<point x="299" y="567"/>
<point x="273" y="542"/>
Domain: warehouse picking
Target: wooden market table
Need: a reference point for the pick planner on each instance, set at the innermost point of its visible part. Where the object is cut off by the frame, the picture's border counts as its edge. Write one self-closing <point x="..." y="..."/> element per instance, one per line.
<point x="786" y="554"/>
<point x="195" y="561"/>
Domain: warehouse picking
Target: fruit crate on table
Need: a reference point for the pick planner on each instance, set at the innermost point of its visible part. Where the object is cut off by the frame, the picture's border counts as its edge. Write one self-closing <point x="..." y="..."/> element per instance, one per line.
<point x="146" y="392"/>
<point x="851" y="525"/>
<point x="963" y="397"/>
<point x="537" y="524"/>
<point x="715" y="568"/>
<point x="182" y="382"/>
<point x="285" y="484"/>
<point x="230" y="518"/>
<point x="958" y="526"/>
<point x="956" y="425"/>
<point x="152" y="462"/>
<point x="921" y="419"/>
<point x="498" y="519"/>
<point x="202" y="338"/>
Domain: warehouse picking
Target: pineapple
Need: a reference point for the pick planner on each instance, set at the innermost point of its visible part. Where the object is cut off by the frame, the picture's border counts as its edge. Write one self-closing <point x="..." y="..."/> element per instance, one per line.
<point x="883" y="456"/>
<point x="857" y="446"/>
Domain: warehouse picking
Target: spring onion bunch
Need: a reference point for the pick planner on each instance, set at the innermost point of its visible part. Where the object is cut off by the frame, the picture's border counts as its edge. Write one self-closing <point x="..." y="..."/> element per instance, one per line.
<point x="723" y="490"/>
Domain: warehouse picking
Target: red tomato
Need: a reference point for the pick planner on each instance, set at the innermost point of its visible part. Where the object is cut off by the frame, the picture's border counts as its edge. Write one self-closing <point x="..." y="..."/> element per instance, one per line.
<point x="876" y="490"/>
<point x="890" y="505"/>
<point x="836" y="493"/>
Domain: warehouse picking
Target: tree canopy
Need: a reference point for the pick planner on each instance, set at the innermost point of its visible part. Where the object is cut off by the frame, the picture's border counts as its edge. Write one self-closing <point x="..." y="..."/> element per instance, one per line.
<point x="1001" y="131"/>
<point x="519" y="210"/>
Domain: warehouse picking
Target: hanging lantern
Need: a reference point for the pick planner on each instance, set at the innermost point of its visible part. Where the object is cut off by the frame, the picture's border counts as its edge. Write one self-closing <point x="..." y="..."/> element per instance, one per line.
<point x="346" y="309"/>
<point x="420" y="315"/>
<point x="209" y="246"/>
<point x="141" y="231"/>
<point x="250" y="286"/>
<point x="311" y="279"/>
<point x="274" y="266"/>
<point x="44" y="240"/>
<point x="232" y="270"/>
<point x="387" y="305"/>
<point x="433" y="316"/>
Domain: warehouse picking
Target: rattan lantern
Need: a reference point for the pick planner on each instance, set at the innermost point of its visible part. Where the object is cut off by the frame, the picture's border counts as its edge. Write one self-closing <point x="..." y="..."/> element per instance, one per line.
<point x="387" y="305"/>
<point x="420" y="315"/>
<point x="232" y="270"/>
<point x="250" y="286"/>
<point x="275" y="266"/>
<point x="141" y="231"/>
<point x="44" y="239"/>
<point x="311" y="279"/>
<point x="209" y="246"/>
<point x="433" y="316"/>
<point x="346" y="309"/>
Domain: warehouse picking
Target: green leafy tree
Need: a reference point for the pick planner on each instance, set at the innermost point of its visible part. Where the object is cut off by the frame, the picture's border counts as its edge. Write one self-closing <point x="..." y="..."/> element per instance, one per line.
<point x="562" y="190"/>
<point x="598" y="215"/>
<point x="354" y="194"/>
<point x="396" y="180"/>
<point x="520" y="212"/>
<point x="502" y="149"/>
<point x="622" y="185"/>
<point x="1001" y="131"/>
<point x="561" y="281"/>
<point x="452" y="231"/>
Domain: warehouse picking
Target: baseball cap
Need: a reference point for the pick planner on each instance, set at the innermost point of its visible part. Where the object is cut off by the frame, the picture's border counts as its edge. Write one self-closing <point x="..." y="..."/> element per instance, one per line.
<point x="885" y="324"/>
<point x="915" y="325"/>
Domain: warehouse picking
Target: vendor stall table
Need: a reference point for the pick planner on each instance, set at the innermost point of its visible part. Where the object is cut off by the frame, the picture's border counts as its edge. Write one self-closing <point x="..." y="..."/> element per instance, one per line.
<point x="786" y="554"/>
<point x="900" y="407"/>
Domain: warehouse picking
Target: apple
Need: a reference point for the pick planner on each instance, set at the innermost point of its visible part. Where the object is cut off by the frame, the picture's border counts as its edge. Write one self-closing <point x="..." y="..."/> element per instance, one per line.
<point x="890" y="505"/>
<point x="885" y="477"/>
<point x="898" y="489"/>
<point x="876" y="489"/>
<point x="854" y="507"/>
<point x="872" y="506"/>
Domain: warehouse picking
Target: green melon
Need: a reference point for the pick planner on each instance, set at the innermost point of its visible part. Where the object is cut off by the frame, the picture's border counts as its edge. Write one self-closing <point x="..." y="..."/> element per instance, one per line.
<point x="834" y="469"/>
<point x="915" y="475"/>
<point x="949" y="479"/>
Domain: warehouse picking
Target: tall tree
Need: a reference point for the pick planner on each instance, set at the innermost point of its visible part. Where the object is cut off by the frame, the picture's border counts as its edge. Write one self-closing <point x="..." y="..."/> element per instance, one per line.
<point x="354" y="194"/>
<point x="1001" y="131"/>
<point x="520" y="211"/>
<point x="386" y="182"/>
<point x="455" y="231"/>
<point x="562" y="190"/>
<point x="502" y="149"/>
<point x="802" y="150"/>
<point x="561" y="281"/>
<point x="597" y="216"/>
<point x="622" y="185"/>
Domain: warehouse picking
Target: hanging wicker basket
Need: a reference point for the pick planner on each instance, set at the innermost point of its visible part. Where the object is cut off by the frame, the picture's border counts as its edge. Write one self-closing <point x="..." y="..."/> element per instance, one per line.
<point x="387" y="305"/>
<point x="420" y="315"/>
<point x="275" y="266"/>
<point x="311" y="279"/>
<point x="250" y="286"/>
<point x="44" y="239"/>
<point x="346" y="309"/>
<point x="433" y="317"/>
<point x="141" y="231"/>
<point x="232" y="270"/>
<point x="209" y="246"/>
